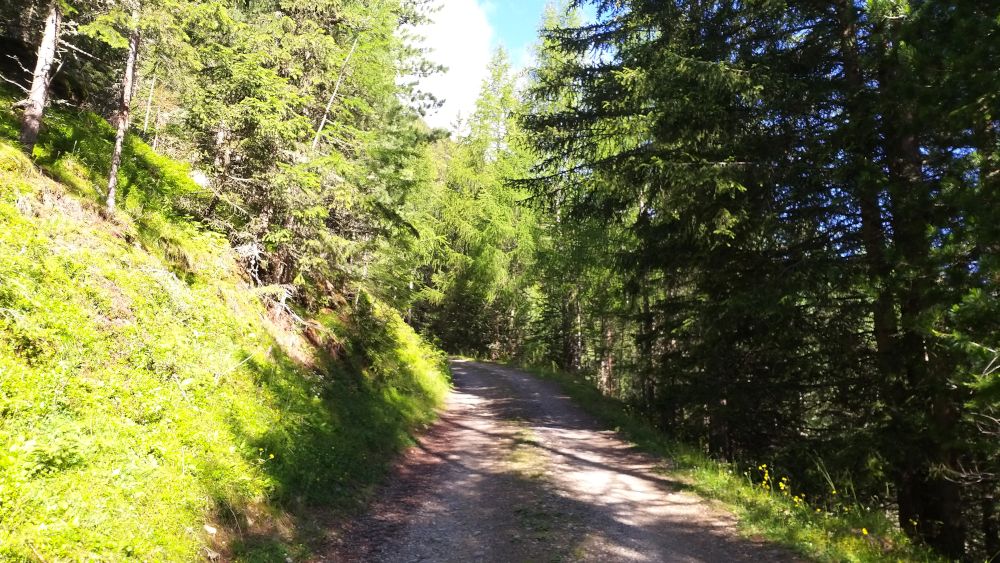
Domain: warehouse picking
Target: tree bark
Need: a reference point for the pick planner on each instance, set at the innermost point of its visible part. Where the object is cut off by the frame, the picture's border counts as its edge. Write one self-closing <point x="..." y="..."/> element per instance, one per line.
<point x="221" y="165"/>
<point x="124" y="116"/>
<point x="990" y="523"/>
<point x="336" y="90"/>
<point x="607" y="365"/>
<point x="27" y="17"/>
<point x="646" y="348"/>
<point x="31" y="122"/>
<point x="986" y="139"/>
<point x="149" y="105"/>
<point x="866" y="192"/>
<point x="572" y="338"/>
<point x="929" y="504"/>
<point x="156" y="130"/>
<point x="938" y="500"/>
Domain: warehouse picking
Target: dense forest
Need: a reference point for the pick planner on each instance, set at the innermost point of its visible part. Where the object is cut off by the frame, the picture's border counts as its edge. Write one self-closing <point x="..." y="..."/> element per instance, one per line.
<point x="799" y="206"/>
<point x="771" y="228"/>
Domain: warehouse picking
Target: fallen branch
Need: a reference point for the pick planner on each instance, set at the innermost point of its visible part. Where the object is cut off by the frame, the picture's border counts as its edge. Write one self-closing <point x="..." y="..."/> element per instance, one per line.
<point x="20" y="64"/>
<point x="78" y="50"/>
<point x="22" y="103"/>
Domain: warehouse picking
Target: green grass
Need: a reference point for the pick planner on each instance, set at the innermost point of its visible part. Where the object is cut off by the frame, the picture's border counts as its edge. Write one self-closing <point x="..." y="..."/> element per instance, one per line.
<point x="830" y="531"/>
<point x="147" y="397"/>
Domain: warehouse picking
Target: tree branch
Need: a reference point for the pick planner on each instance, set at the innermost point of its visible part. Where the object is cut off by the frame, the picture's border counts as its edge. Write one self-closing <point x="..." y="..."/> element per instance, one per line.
<point x="20" y="86"/>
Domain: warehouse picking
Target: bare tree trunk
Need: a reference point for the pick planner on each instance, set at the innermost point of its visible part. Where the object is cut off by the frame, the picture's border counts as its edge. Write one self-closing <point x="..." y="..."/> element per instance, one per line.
<point x="990" y="522"/>
<point x="149" y="105"/>
<point x="646" y="348"/>
<point x="572" y="339"/>
<point x="221" y="166"/>
<point x="156" y="130"/>
<point x="124" y="115"/>
<point x="27" y="17"/>
<point x="336" y="90"/>
<point x="929" y="409"/>
<point x="867" y="193"/>
<point x="38" y="95"/>
<point x="607" y="365"/>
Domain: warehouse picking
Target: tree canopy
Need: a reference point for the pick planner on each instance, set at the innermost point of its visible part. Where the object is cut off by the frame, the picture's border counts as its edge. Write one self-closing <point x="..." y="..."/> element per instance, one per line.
<point x="770" y="227"/>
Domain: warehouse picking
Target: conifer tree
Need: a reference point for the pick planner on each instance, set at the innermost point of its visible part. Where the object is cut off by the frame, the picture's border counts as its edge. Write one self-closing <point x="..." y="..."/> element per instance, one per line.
<point x="803" y="217"/>
<point x="34" y="105"/>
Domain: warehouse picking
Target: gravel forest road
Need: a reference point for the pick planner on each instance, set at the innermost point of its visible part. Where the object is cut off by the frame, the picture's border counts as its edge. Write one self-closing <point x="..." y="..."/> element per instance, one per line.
<point x="514" y="471"/>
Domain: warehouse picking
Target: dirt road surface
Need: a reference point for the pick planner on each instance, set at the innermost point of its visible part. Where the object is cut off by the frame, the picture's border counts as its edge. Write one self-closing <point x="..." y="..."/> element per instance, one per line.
<point x="514" y="471"/>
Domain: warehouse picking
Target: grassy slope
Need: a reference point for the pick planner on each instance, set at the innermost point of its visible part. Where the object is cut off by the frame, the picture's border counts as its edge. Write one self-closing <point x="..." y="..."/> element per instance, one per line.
<point x="147" y="398"/>
<point x="834" y="530"/>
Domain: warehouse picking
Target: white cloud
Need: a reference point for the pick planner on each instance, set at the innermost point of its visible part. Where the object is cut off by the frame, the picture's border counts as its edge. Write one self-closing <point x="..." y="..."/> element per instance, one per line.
<point x="524" y="57"/>
<point x="460" y="38"/>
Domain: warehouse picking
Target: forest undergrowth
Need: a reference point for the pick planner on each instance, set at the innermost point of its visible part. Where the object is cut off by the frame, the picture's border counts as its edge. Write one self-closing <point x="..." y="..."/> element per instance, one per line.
<point x="153" y="407"/>
<point x="769" y="229"/>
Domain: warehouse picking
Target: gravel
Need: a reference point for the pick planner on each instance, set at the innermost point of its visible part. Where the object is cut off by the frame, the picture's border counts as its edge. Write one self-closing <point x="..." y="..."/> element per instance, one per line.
<point x="514" y="471"/>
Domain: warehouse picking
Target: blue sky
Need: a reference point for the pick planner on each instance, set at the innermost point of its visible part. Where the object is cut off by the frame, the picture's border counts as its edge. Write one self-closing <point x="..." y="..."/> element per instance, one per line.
<point x="463" y="38"/>
<point x="516" y="25"/>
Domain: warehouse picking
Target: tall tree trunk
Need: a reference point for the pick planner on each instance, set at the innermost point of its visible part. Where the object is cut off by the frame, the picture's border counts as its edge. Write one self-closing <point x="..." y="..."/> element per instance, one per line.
<point x="336" y="90"/>
<point x="867" y="192"/>
<point x="988" y="244"/>
<point x="929" y="407"/>
<point x="987" y="143"/>
<point x="221" y="165"/>
<point x="38" y="95"/>
<point x="149" y="104"/>
<point x="990" y="522"/>
<point x="572" y="338"/>
<point x="27" y="19"/>
<point x="646" y="347"/>
<point x="929" y="500"/>
<point x="124" y="116"/>
<point x="934" y="501"/>
<point x="578" y="332"/>
<point x="156" y="130"/>
<point x="607" y="365"/>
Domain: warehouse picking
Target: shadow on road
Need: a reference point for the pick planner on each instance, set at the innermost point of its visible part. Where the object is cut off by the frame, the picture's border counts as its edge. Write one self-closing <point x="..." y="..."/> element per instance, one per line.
<point x="514" y="471"/>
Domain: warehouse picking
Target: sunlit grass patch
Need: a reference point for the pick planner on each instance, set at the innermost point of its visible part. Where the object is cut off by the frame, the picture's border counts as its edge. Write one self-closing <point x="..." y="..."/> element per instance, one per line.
<point x="148" y="409"/>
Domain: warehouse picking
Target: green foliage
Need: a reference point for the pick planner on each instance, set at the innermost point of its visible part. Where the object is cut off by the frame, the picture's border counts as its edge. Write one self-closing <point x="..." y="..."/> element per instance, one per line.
<point x="239" y="91"/>
<point x="836" y="529"/>
<point x="142" y="398"/>
<point x="797" y="258"/>
<point x="466" y="273"/>
<point x="269" y="77"/>
<point x="769" y="227"/>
